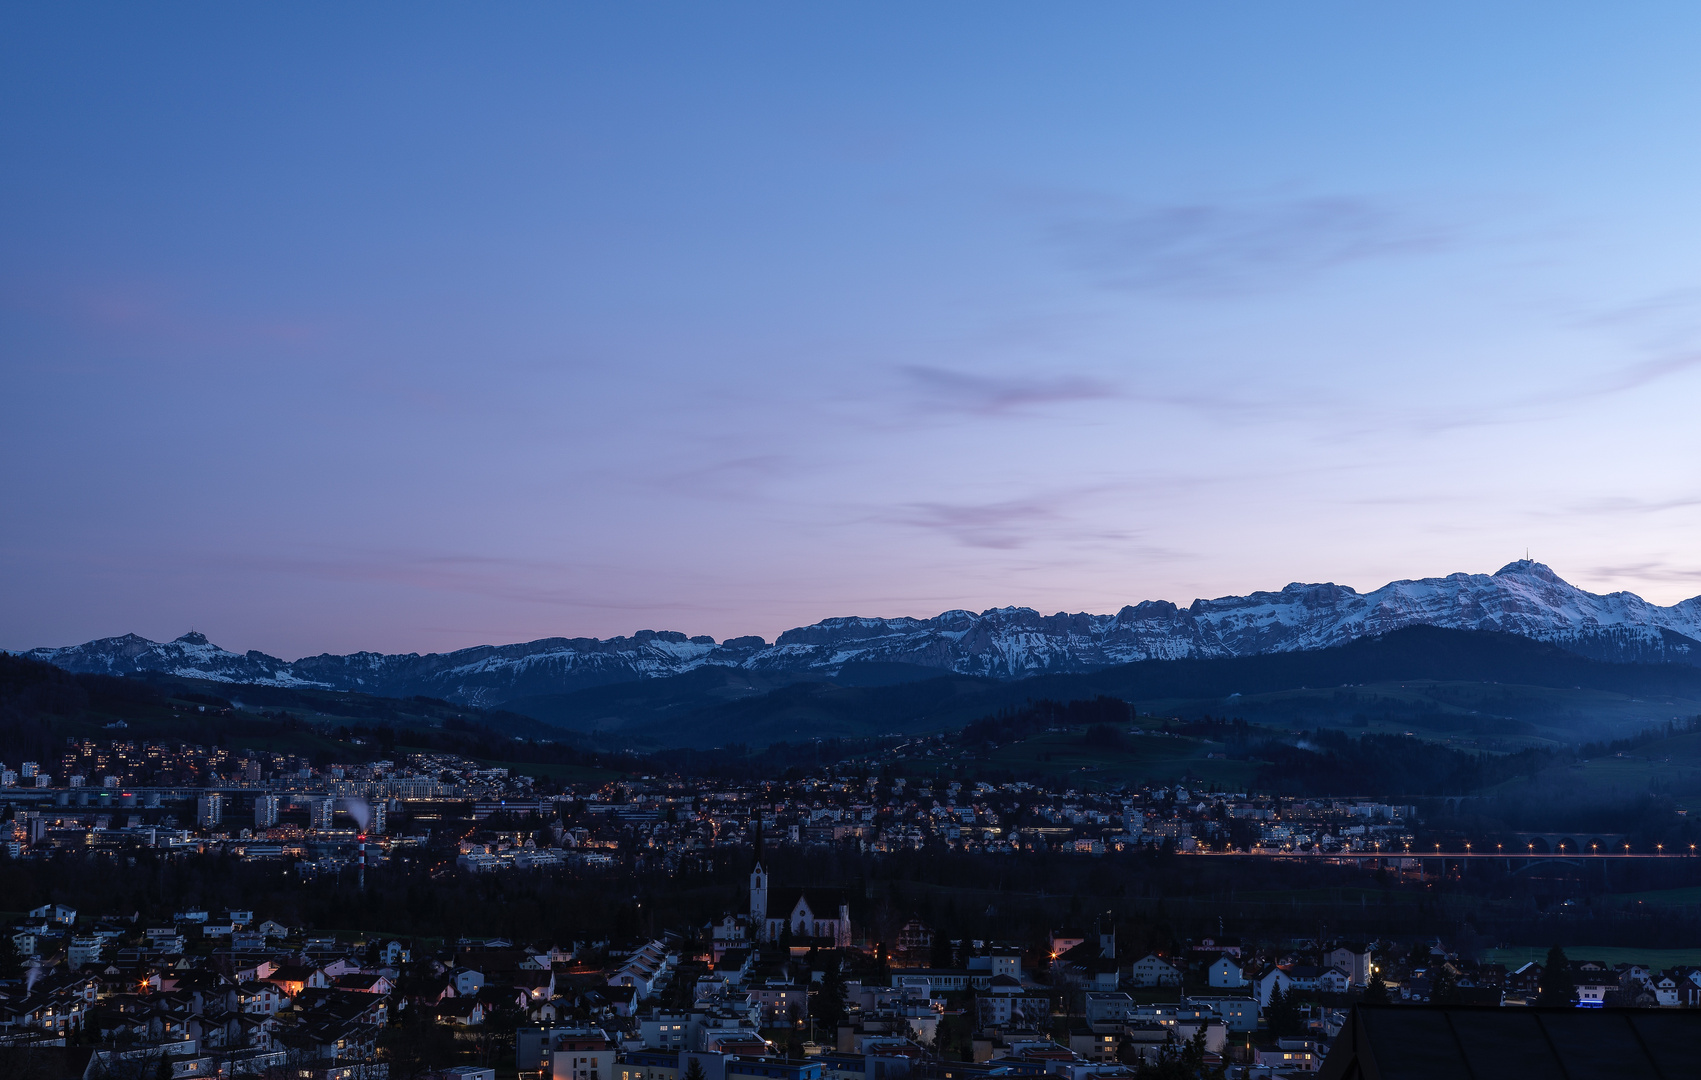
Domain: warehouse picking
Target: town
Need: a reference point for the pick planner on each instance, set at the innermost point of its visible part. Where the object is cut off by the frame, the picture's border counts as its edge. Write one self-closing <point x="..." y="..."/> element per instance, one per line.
<point x="748" y="961"/>
<point x="118" y="794"/>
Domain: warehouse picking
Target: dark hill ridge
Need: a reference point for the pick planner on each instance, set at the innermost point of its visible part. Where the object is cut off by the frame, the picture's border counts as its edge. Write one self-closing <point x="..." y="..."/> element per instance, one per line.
<point x="1417" y="652"/>
<point x="1423" y="676"/>
<point x="678" y="712"/>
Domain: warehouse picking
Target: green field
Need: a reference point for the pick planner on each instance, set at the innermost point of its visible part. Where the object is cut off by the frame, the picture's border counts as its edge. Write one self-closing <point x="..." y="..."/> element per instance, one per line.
<point x="1655" y="958"/>
<point x="1657" y="897"/>
<point x="1504" y="715"/>
<point x="1669" y="767"/>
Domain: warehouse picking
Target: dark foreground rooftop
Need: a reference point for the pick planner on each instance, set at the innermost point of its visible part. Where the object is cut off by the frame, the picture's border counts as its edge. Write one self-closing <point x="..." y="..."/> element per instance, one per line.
<point x="1402" y="1042"/>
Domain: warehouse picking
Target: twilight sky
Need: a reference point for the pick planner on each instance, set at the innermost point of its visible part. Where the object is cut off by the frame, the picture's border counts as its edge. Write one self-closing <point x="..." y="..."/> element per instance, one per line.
<point x="411" y="328"/>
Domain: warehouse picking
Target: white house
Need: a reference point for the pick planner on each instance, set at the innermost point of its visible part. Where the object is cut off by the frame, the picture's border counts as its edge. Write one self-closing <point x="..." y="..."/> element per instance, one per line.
<point x="1352" y="959"/>
<point x="1334" y="981"/>
<point x="645" y="968"/>
<point x="1266" y="983"/>
<point x="83" y="951"/>
<point x="1226" y="974"/>
<point x="59" y="913"/>
<point x="1109" y="1008"/>
<point x="1153" y="970"/>
<point x="1592" y="991"/>
<point x="468" y="982"/>
<point x="1304" y="976"/>
<point x="1665" y="991"/>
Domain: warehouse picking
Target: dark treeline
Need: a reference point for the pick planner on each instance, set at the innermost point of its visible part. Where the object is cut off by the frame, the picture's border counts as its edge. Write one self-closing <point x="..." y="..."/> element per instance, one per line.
<point x="1672" y="729"/>
<point x="1014" y="725"/>
<point x="41" y="705"/>
<point x="1156" y="899"/>
<point x="1328" y="761"/>
<point x="1332" y="762"/>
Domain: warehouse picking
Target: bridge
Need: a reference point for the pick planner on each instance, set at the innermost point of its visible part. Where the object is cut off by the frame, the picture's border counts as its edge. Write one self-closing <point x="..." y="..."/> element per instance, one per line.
<point x="1516" y="862"/>
<point x="1570" y="843"/>
<point x="1525" y="855"/>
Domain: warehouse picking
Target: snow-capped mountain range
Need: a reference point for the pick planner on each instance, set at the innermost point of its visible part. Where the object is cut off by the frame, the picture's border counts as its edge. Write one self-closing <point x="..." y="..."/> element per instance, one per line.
<point x="1523" y="598"/>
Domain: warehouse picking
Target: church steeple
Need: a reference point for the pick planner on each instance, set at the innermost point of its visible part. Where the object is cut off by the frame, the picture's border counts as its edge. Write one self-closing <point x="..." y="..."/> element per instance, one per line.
<point x="758" y="895"/>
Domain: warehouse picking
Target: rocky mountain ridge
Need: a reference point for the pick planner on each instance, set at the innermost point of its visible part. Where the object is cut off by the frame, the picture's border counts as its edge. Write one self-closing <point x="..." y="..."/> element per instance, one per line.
<point x="1524" y="598"/>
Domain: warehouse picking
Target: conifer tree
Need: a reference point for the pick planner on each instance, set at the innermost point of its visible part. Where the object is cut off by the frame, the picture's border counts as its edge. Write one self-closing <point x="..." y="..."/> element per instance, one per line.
<point x="1377" y="992"/>
<point x="1556" y="987"/>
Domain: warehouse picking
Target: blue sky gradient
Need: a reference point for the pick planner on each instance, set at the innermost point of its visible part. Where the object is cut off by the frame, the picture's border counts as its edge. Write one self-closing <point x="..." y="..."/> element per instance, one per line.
<point x="410" y="328"/>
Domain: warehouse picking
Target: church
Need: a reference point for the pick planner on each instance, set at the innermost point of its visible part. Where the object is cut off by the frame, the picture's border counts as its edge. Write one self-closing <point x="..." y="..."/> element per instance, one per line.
<point x="819" y="914"/>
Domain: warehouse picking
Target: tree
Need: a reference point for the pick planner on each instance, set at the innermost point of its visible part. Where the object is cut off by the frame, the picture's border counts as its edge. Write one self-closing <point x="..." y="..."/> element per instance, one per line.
<point x="942" y="955"/>
<point x="830" y="1000"/>
<point x="953" y="1036"/>
<point x="1377" y="992"/>
<point x="1126" y="1051"/>
<point x="11" y="963"/>
<point x="1282" y="1014"/>
<point x="1193" y="1054"/>
<point x="694" y="1070"/>
<point x="1171" y="1063"/>
<point x="500" y="1026"/>
<point x="1556" y="988"/>
<point x="1444" y="987"/>
<point x="415" y="1045"/>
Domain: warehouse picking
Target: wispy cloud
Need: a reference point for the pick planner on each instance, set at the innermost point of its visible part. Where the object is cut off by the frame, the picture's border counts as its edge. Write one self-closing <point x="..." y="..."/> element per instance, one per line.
<point x="944" y="390"/>
<point x="1543" y="404"/>
<point x="1647" y="571"/>
<point x="1664" y="328"/>
<point x="566" y="585"/>
<point x="1635" y="376"/>
<point x="1065" y="516"/>
<point x="1001" y="525"/>
<point x="1213" y="249"/>
<point x="1622" y="504"/>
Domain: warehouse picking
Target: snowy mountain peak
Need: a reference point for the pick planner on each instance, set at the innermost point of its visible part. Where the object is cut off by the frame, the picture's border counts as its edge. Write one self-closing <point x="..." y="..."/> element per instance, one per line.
<point x="1523" y="597"/>
<point x="1528" y="568"/>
